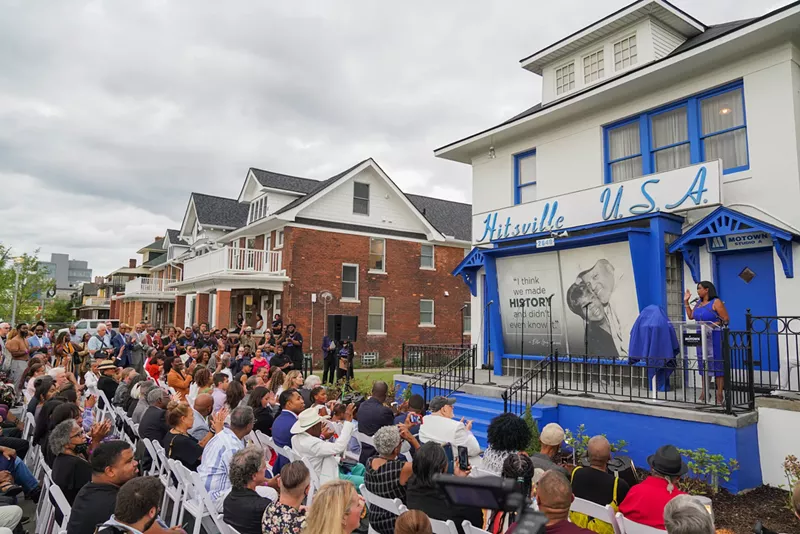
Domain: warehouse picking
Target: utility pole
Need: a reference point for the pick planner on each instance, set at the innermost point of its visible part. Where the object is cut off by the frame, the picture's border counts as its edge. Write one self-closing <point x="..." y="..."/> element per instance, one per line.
<point x="17" y="269"/>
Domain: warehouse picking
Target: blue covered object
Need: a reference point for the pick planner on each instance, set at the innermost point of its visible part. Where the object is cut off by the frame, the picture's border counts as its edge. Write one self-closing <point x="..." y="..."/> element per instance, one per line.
<point x="653" y="340"/>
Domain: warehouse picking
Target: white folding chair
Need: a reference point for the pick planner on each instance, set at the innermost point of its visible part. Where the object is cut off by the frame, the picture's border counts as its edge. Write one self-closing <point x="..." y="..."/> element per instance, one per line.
<point x="192" y="502"/>
<point x="252" y="437"/>
<point x="626" y="526"/>
<point x="444" y="527"/>
<point x="107" y="406"/>
<point x="315" y="484"/>
<point x="155" y="466"/>
<point x="394" y="506"/>
<point x="62" y="505"/>
<point x="612" y="518"/>
<point x="173" y="491"/>
<point x="289" y="454"/>
<point x="603" y="513"/>
<point x="267" y="444"/>
<point x="364" y="439"/>
<point x="30" y="424"/>
<point x="44" y="506"/>
<point x="469" y="528"/>
<point x="208" y="503"/>
<point x="231" y="530"/>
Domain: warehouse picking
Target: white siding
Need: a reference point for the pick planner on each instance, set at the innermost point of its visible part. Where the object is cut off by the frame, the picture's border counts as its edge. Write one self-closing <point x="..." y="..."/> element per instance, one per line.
<point x="645" y="54"/>
<point x="386" y="208"/>
<point x="278" y="200"/>
<point x="665" y="40"/>
<point x="570" y="153"/>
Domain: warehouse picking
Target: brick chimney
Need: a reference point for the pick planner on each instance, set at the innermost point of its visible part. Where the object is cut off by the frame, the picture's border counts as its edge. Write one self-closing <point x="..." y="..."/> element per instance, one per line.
<point x="132" y="263"/>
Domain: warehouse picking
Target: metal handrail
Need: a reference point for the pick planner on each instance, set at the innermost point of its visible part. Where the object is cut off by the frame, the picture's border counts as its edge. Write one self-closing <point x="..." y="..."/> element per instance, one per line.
<point x="452" y="376"/>
<point x="519" y="394"/>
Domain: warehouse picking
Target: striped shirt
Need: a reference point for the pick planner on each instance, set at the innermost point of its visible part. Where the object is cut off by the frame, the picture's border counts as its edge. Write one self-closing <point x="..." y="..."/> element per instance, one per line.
<point x="217" y="456"/>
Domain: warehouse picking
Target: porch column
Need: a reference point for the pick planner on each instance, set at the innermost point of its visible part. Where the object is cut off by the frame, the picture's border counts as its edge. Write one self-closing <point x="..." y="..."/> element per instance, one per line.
<point x="201" y="305"/>
<point x="113" y="311"/>
<point x="180" y="311"/>
<point x="223" y="308"/>
<point x="138" y="312"/>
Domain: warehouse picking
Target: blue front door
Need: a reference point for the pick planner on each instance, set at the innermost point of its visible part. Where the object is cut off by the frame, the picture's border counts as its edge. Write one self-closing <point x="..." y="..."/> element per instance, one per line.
<point x="746" y="280"/>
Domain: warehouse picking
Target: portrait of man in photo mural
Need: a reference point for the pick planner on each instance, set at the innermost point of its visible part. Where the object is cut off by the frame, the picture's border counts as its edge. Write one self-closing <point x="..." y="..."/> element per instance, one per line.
<point x="592" y="298"/>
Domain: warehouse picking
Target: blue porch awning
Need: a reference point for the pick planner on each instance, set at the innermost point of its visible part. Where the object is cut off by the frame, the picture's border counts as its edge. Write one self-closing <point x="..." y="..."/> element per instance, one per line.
<point x="468" y="269"/>
<point x="724" y="222"/>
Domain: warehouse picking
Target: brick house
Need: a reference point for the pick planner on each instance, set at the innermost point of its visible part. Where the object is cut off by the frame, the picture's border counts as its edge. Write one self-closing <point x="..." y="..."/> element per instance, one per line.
<point x="355" y="243"/>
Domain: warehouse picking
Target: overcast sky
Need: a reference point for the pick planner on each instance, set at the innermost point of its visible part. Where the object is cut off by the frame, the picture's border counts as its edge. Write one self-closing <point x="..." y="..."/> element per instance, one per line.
<point x="111" y="113"/>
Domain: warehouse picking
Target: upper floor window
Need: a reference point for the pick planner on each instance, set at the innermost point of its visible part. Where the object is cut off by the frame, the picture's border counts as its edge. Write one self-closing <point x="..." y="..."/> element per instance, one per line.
<point x="625" y="53"/>
<point x="258" y="209"/>
<point x="349" y="282"/>
<point x="360" y="198"/>
<point x="426" y="260"/>
<point x="279" y="239"/>
<point x="525" y="177"/>
<point x="593" y="68"/>
<point x="565" y="78"/>
<point x="377" y="254"/>
<point x="701" y="128"/>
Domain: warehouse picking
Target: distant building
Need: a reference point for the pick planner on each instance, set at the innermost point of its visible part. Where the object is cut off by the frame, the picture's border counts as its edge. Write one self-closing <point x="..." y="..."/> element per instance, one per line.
<point x="68" y="274"/>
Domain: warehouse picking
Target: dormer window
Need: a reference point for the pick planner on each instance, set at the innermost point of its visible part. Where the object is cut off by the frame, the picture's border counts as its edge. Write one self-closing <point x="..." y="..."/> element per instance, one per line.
<point x="258" y="209"/>
<point x="565" y="78"/>
<point x="593" y="67"/>
<point x="625" y="53"/>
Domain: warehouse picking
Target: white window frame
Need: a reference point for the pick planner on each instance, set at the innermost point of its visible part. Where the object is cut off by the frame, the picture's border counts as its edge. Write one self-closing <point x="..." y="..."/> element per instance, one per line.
<point x="601" y="70"/>
<point x="432" y="324"/>
<point x="383" y="260"/>
<point x="433" y="257"/>
<point x="369" y="191"/>
<point x="633" y="59"/>
<point x="267" y="242"/>
<point x="560" y="87"/>
<point x="278" y="239"/>
<point x="467" y="331"/>
<point x="341" y="285"/>
<point x="382" y="331"/>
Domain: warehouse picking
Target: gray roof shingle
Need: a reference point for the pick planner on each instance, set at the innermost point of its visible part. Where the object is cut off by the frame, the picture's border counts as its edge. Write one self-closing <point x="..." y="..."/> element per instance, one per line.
<point x="220" y="211"/>
<point x="156" y="261"/>
<point x="276" y="180"/>
<point x="175" y="238"/>
<point x="450" y="218"/>
<point x="711" y="33"/>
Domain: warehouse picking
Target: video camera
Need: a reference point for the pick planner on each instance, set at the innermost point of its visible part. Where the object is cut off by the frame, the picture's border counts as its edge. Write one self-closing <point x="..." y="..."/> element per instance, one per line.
<point x="494" y="493"/>
<point x="355" y="398"/>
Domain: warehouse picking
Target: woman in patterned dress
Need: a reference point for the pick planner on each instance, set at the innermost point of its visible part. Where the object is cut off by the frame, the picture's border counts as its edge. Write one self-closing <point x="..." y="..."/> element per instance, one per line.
<point x="387" y="473"/>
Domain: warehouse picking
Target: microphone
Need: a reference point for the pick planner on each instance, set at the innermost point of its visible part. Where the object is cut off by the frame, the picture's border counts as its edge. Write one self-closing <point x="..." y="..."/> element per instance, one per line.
<point x="693" y="300"/>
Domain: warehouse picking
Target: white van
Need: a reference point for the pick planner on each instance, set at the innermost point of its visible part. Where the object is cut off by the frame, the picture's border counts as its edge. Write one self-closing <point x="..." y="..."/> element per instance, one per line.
<point x="90" y="325"/>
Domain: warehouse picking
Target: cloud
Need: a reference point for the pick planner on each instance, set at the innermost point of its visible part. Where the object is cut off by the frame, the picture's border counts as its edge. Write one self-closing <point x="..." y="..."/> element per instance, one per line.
<point x="111" y="113"/>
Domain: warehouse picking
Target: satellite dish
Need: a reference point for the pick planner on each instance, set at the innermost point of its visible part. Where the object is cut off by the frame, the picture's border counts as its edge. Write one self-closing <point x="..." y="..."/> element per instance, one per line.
<point x="326" y="296"/>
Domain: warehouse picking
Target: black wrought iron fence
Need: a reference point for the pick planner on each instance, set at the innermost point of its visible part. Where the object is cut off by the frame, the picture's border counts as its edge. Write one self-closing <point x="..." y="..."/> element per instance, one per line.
<point x="452" y="376"/>
<point x="775" y="343"/>
<point x="428" y="358"/>
<point x="683" y="381"/>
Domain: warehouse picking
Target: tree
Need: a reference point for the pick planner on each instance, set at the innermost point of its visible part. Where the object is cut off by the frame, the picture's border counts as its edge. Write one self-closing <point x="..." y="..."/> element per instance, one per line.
<point x="59" y="311"/>
<point x="33" y="284"/>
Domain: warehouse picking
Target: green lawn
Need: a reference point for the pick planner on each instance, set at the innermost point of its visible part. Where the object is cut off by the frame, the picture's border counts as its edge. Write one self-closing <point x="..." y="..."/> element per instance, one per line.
<point x="371" y="375"/>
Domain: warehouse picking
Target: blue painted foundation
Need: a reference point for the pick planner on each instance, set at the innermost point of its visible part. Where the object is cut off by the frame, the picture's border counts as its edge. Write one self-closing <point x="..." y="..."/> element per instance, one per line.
<point x="643" y="433"/>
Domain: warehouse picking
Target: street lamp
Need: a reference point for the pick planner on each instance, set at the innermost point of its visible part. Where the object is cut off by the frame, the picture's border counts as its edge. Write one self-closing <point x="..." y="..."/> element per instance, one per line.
<point x="17" y="268"/>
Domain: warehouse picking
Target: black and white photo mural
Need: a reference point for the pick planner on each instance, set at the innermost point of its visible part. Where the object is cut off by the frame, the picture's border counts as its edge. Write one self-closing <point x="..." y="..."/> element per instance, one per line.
<point x="588" y="292"/>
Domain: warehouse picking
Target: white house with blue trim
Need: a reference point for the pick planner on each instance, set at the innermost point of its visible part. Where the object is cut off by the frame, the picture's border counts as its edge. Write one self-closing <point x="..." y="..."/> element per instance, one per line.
<point x="664" y="152"/>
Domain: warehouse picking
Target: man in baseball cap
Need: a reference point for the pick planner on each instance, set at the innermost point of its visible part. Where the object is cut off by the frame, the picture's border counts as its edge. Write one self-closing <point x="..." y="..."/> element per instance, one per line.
<point x="440" y="427"/>
<point x="550" y="439"/>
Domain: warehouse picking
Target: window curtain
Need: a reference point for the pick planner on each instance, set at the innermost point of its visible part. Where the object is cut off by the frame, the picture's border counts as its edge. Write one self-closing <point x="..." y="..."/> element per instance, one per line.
<point x="722" y="112"/>
<point x="667" y="129"/>
<point x="623" y="142"/>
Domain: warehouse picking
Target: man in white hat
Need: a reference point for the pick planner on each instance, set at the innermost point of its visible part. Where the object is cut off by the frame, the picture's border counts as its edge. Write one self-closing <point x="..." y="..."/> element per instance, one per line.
<point x="324" y="455"/>
<point x="550" y="438"/>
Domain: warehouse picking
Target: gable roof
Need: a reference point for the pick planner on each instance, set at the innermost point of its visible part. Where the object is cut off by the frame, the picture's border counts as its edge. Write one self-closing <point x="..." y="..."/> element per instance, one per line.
<point x="175" y="237"/>
<point x="220" y="212"/>
<point x="450" y="218"/>
<point x="158" y="244"/>
<point x="276" y="180"/>
<point x="156" y="260"/>
<point x="318" y="187"/>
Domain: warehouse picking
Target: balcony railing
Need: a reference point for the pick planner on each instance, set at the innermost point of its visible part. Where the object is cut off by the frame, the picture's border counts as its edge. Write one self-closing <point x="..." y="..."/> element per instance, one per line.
<point x="149" y="286"/>
<point x="229" y="260"/>
<point x="96" y="301"/>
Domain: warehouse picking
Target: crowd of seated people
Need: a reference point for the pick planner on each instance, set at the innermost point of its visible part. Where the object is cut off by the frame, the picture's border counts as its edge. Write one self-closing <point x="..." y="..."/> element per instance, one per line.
<point x="204" y="406"/>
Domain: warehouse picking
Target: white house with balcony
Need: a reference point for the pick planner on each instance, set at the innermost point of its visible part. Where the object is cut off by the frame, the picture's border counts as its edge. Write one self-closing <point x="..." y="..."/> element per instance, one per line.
<point x="665" y="152"/>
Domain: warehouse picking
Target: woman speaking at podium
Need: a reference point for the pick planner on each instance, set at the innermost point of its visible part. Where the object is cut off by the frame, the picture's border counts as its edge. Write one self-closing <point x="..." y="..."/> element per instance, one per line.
<point x="709" y="308"/>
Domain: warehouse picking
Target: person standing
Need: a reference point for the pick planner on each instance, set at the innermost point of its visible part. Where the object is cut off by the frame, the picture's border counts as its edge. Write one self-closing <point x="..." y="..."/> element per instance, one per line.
<point x="293" y="346"/>
<point x="73" y="334"/>
<point x="711" y="309"/>
<point x="39" y="342"/>
<point x="139" y="348"/>
<point x="328" y="360"/>
<point x="5" y="362"/>
<point x="100" y="344"/>
<point x="18" y="346"/>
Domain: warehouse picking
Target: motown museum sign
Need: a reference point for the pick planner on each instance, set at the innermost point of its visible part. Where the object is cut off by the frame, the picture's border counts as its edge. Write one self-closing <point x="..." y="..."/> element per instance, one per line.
<point x="683" y="189"/>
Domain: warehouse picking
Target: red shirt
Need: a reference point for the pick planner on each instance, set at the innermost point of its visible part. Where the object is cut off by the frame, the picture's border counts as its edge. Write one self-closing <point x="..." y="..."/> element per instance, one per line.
<point x="153" y="370"/>
<point x="645" y="502"/>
